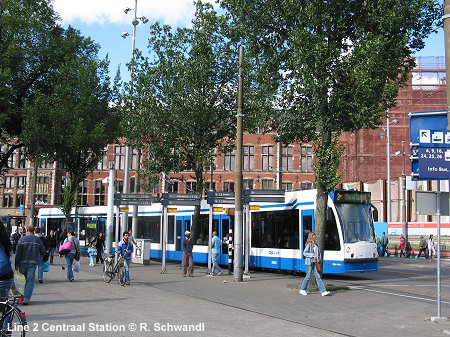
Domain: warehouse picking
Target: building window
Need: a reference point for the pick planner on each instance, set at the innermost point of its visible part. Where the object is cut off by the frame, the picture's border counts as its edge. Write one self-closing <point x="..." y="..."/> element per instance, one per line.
<point x="21" y="181"/>
<point x="103" y="164"/>
<point x="118" y="185"/>
<point x="172" y="186"/>
<point x="287" y="186"/>
<point x="228" y="186"/>
<point x="44" y="165"/>
<point x="7" y="200"/>
<point x="249" y="157"/>
<point x="134" y="165"/>
<point x="267" y="184"/>
<point x="41" y="199"/>
<point x="286" y="158"/>
<point x="306" y="185"/>
<point x="99" y="193"/>
<point x="267" y="157"/>
<point x="9" y="181"/>
<point x="230" y="161"/>
<point x="119" y="157"/>
<point x="208" y="186"/>
<point x="20" y="199"/>
<point x="191" y="186"/>
<point x="306" y="159"/>
<point x="83" y="193"/>
<point x="42" y="185"/>
<point x="247" y="183"/>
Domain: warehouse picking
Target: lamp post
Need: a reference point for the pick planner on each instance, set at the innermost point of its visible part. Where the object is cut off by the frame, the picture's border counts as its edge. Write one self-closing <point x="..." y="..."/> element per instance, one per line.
<point x="126" y="177"/>
<point x="404" y="217"/>
<point x="388" y="161"/>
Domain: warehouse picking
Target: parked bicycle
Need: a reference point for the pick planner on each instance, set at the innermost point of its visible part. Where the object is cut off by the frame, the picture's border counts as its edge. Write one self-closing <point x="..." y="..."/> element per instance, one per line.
<point x="13" y="321"/>
<point x="110" y="270"/>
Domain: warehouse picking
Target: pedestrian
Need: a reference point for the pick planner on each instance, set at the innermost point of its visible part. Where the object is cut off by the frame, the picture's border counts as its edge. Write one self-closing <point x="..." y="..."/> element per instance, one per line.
<point x="312" y="254"/>
<point x="52" y="242"/>
<point x="384" y="244"/>
<point x="99" y="245"/>
<point x="6" y="271"/>
<point x="71" y="255"/>
<point x="16" y="236"/>
<point x="42" y="259"/>
<point x="188" y="263"/>
<point x="92" y="251"/>
<point x="215" y="251"/>
<point x="58" y="235"/>
<point x="125" y="249"/>
<point x="131" y="237"/>
<point x="401" y="246"/>
<point x="431" y="249"/>
<point x="422" y="247"/>
<point x="378" y="240"/>
<point x="28" y="250"/>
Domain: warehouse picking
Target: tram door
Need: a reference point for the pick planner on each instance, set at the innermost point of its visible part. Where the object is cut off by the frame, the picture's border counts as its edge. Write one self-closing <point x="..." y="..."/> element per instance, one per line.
<point x="307" y="223"/>
<point x="182" y="224"/>
<point x="223" y="226"/>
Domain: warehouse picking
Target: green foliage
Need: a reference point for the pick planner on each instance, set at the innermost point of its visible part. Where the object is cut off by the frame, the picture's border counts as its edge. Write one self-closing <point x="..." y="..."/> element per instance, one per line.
<point x="184" y="95"/>
<point x="72" y="122"/>
<point x="69" y="199"/>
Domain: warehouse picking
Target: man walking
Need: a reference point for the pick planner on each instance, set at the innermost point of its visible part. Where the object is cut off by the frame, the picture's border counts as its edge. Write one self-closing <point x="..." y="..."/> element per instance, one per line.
<point x="215" y="251"/>
<point x="384" y="244"/>
<point x="28" y="250"/>
<point x="188" y="263"/>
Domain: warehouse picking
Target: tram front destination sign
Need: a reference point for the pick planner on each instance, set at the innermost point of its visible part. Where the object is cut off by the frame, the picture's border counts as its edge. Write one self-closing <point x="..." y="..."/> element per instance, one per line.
<point x="430" y="145"/>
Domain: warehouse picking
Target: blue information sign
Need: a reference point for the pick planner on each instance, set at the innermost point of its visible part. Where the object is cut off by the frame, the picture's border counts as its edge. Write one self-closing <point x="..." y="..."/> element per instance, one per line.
<point x="430" y="145"/>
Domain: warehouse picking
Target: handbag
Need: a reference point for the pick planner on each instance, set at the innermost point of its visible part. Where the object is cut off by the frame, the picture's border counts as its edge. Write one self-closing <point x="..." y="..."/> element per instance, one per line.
<point x="318" y="266"/>
<point x="46" y="266"/>
<point x="76" y="266"/>
<point x="19" y="281"/>
<point x="65" y="248"/>
<point x="46" y="256"/>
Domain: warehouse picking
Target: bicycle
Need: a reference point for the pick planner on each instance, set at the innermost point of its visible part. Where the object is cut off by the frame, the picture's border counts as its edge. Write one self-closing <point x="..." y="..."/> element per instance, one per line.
<point x="110" y="270"/>
<point x="13" y="321"/>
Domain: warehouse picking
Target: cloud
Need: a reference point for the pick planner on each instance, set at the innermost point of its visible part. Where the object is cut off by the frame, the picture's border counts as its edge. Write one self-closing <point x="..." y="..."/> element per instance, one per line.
<point x="172" y="12"/>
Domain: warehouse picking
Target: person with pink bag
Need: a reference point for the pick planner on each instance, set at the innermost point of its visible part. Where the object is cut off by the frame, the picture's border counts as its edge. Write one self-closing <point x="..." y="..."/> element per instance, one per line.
<point x="72" y="254"/>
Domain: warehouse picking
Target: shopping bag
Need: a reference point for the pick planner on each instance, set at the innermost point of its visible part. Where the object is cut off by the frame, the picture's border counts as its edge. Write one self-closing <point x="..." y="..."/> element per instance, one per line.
<point x="46" y="266"/>
<point x="65" y="248"/>
<point x="76" y="266"/>
<point x="19" y="281"/>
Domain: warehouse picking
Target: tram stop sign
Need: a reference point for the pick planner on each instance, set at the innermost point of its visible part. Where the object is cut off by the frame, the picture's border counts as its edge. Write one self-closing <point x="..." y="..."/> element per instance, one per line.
<point x="430" y="145"/>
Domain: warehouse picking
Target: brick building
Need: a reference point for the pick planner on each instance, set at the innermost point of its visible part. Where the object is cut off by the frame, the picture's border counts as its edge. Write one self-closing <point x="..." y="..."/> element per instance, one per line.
<point x="266" y="164"/>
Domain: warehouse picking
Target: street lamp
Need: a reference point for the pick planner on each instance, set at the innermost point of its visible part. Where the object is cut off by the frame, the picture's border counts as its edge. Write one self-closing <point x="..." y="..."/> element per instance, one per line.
<point x="126" y="178"/>
<point x="404" y="218"/>
<point x="388" y="160"/>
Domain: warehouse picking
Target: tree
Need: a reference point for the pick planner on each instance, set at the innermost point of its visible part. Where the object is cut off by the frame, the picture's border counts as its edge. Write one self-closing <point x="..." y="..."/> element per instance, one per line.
<point x="337" y="66"/>
<point x="184" y="99"/>
<point x="32" y="46"/>
<point x="74" y="121"/>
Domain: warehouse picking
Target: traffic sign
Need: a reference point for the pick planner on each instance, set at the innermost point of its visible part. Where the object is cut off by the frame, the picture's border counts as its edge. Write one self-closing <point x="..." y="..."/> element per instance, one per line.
<point x="430" y="145"/>
<point x="132" y="199"/>
<point x="192" y="199"/>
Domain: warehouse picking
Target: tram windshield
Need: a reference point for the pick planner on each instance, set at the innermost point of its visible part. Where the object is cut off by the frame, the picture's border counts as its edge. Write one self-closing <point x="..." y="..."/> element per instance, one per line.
<point x="356" y="221"/>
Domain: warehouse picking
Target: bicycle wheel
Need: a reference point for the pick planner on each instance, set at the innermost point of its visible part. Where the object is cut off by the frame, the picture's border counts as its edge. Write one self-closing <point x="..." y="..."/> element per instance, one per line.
<point x="13" y="322"/>
<point x="108" y="272"/>
<point x="122" y="275"/>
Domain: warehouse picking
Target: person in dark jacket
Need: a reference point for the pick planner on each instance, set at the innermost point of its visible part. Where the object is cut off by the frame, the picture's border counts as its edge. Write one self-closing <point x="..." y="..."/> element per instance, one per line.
<point x="99" y="245"/>
<point x="28" y="250"/>
<point x="6" y="271"/>
<point x="52" y="242"/>
<point x="188" y="263"/>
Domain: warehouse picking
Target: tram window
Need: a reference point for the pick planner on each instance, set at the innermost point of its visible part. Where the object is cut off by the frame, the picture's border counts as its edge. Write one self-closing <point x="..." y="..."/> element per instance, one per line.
<point x="170" y="230"/>
<point x="202" y="230"/>
<point x="331" y="235"/>
<point x="149" y="228"/>
<point x="275" y="229"/>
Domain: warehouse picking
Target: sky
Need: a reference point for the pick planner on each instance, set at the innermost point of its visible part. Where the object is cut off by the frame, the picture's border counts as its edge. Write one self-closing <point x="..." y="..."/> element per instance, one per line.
<point x="105" y="20"/>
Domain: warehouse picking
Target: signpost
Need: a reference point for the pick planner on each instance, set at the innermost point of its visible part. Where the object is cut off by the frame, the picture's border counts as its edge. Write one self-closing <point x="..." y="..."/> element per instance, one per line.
<point x="430" y="160"/>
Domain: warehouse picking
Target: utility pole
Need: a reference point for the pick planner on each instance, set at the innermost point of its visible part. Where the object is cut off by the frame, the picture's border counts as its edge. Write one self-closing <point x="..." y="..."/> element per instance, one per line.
<point x="238" y="216"/>
<point x="405" y="220"/>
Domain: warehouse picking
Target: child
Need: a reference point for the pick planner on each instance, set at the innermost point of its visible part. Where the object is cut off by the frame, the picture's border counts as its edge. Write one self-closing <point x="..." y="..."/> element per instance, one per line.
<point x="92" y="251"/>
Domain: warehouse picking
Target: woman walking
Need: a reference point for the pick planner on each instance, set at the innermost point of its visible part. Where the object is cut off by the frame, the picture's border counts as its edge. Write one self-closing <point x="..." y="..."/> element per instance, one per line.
<point x="71" y="255"/>
<point x="99" y="245"/>
<point x="312" y="254"/>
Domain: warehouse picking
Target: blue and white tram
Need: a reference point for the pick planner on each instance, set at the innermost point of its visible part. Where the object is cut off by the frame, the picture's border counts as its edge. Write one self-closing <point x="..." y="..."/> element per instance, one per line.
<point x="277" y="231"/>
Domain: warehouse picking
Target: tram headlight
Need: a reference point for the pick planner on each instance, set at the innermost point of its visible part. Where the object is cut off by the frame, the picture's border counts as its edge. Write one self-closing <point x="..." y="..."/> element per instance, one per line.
<point x="349" y="249"/>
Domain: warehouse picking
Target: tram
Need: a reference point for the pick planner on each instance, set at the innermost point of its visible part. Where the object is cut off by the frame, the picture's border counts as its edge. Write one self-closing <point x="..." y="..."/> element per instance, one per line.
<point x="277" y="232"/>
